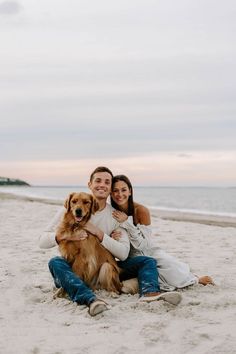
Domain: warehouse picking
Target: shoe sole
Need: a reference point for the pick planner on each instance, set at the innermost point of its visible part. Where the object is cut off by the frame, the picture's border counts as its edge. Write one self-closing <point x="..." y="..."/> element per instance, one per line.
<point x="98" y="308"/>
<point x="173" y="298"/>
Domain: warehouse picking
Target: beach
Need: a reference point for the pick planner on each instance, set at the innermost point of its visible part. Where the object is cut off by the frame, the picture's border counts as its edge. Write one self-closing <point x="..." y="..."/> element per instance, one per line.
<point x="32" y="321"/>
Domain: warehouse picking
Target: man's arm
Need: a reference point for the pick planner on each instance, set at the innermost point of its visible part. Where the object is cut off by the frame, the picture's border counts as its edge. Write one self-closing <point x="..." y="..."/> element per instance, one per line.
<point x="118" y="248"/>
<point x="48" y="237"/>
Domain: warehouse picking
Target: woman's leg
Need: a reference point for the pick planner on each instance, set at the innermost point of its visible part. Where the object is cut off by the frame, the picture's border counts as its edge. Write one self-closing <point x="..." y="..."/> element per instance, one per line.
<point x="205" y="280"/>
<point x="173" y="273"/>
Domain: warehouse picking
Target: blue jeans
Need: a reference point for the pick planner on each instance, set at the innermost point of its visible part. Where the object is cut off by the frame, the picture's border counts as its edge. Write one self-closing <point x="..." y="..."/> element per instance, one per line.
<point x="144" y="268"/>
<point x="65" y="278"/>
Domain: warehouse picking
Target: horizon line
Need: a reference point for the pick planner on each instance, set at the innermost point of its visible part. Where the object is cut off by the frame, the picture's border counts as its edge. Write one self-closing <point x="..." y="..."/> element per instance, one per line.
<point x="135" y="186"/>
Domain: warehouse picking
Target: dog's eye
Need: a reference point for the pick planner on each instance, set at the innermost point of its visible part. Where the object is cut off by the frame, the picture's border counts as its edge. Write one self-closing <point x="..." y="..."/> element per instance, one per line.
<point x="86" y="202"/>
<point x="74" y="201"/>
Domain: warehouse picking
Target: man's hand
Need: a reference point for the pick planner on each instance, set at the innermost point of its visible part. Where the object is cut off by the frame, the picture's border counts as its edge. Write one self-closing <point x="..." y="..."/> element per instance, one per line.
<point x="120" y="216"/>
<point x="94" y="230"/>
<point x="116" y="235"/>
<point x="80" y="236"/>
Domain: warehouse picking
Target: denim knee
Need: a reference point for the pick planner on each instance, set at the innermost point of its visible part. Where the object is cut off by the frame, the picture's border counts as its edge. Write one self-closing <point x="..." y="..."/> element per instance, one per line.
<point x="151" y="262"/>
<point x="52" y="262"/>
<point x="55" y="262"/>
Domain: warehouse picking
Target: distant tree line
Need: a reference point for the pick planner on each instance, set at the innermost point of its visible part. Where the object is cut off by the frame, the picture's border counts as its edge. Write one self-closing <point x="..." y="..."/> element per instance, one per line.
<point x="5" y="181"/>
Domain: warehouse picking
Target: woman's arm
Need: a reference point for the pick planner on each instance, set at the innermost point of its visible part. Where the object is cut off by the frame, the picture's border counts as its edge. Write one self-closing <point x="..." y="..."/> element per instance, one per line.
<point x="139" y="235"/>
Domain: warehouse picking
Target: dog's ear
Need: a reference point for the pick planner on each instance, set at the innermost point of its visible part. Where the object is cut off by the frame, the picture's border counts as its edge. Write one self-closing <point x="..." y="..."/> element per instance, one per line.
<point x="67" y="201"/>
<point x="95" y="205"/>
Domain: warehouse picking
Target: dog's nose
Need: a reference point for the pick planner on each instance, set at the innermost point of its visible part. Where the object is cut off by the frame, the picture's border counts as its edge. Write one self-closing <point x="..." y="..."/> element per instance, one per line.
<point x="78" y="212"/>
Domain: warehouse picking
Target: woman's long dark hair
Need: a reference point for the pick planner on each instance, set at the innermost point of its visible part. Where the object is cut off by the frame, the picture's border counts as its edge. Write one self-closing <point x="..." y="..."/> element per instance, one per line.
<point x="125" y="179"/>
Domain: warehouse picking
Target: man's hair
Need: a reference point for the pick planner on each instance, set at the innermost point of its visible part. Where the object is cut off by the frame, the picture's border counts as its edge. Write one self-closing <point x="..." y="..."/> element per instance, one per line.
<point x="100" y="169"/>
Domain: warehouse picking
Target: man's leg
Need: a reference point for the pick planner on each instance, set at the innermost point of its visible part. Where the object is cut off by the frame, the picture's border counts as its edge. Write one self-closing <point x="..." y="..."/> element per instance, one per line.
<point x="65" y="278"/>
<point x="145" y="269"/>
<point x="77" y="290"/>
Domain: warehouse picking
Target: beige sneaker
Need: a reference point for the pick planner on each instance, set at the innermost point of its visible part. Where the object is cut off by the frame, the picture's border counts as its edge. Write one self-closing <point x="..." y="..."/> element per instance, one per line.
<point x="172" y="297"/>
<point x="97" y="307"/>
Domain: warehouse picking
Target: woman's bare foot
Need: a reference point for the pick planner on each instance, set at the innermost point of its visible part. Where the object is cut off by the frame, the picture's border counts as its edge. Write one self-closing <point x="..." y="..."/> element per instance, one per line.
<point x="205" y="280"/>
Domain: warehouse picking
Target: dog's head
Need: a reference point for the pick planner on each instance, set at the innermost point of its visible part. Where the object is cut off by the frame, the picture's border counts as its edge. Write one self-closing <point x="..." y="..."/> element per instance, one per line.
<point x="81" y="206"/>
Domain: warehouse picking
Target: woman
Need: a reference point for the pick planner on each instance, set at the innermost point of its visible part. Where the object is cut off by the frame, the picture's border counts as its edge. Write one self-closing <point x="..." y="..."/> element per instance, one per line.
<point x="135" y="218"/>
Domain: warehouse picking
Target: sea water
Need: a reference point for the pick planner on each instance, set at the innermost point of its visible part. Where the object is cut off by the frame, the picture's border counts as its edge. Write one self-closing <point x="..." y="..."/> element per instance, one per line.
<point x="204" y="200"/>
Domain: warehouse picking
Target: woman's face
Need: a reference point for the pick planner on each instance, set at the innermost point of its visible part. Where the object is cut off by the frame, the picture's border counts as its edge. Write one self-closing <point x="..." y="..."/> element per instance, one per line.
<point x="120" y="193"/>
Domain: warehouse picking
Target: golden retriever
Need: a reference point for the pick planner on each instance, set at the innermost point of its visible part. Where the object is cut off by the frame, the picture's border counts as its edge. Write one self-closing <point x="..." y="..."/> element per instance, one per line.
<point x="88" y="258"/>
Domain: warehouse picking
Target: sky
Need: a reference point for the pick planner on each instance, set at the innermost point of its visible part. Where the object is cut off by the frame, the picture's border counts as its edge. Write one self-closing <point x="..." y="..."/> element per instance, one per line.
<point x="144" y="87"/>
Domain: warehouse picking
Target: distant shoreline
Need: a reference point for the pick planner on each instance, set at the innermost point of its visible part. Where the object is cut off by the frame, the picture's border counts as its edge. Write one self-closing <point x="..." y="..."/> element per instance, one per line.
<point x="30" y="199"/>
<point x="206" y="219"/>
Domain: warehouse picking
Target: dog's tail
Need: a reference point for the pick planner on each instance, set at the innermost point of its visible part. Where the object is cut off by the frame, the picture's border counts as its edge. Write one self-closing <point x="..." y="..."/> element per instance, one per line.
<point x="108" y="278"/>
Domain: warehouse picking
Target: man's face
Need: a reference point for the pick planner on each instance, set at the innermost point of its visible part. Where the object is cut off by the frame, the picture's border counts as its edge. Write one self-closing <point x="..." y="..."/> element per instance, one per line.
<point x="100" y="185"/>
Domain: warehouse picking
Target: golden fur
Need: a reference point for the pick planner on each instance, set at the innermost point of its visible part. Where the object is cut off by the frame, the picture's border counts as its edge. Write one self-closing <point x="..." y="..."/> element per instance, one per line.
<point x="89" y="259"/>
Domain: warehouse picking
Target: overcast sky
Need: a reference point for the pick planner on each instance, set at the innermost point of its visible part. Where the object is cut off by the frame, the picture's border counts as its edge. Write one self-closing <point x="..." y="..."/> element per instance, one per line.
<point x="146" y="87"/>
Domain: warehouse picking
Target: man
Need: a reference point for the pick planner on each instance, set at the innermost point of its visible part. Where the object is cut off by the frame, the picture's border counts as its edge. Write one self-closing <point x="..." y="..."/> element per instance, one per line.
<point x="101" y="226"/>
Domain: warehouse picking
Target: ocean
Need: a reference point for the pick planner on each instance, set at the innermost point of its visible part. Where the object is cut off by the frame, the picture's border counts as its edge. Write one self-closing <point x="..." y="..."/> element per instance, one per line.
<point x="203" y="200"/>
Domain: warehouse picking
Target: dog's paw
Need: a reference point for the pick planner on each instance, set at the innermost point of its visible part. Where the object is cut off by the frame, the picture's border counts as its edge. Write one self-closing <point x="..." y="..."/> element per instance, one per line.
<point x="130" y="286"/>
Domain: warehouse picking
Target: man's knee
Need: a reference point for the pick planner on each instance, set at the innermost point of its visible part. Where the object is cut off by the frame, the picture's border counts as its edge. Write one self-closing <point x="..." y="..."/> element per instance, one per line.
<point x="55" y="261"/>
<point x="150" y="261"/>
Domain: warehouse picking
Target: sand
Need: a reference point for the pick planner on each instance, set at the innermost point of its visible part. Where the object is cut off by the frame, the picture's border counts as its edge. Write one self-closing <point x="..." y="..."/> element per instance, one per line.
<point x="33" y="322"/>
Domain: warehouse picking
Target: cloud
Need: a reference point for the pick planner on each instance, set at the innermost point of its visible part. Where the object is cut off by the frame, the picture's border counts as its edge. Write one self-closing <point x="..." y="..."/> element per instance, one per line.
<point x="104" y="80"/>
<point x="10" y="8"/>
<point x="185" y="156"/>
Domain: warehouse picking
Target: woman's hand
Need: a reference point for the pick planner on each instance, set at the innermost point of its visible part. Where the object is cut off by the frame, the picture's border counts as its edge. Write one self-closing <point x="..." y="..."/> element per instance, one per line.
<point x="94" y="230"/>
<point x="120" y="216"/>
<point x="116" y="235"/>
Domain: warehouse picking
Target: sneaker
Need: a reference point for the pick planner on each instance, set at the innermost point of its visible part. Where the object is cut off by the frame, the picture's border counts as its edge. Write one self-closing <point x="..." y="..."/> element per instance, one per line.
<point x="172" y="297"/>
<point x="96" y="307"/>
